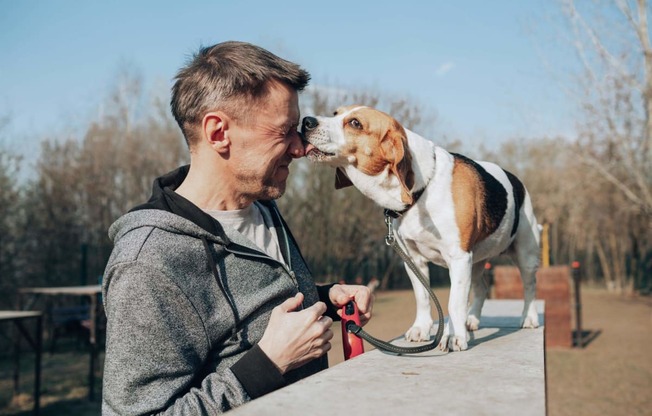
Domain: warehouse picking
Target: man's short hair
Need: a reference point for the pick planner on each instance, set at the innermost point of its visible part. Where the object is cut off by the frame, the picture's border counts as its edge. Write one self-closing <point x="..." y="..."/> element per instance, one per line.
<point x="229" y="76"/>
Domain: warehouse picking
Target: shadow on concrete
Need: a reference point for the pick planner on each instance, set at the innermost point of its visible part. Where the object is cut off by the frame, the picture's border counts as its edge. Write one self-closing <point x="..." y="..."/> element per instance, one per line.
<point x="500" y="332"/>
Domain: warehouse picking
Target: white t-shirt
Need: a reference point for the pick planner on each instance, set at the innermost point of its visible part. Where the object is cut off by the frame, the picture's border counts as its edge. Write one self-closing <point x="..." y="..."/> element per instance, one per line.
<point x="255" y="223"/>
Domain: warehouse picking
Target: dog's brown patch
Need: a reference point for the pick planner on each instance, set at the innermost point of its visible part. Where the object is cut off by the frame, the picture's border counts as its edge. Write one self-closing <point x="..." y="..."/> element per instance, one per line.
<point x="480" y="201"/>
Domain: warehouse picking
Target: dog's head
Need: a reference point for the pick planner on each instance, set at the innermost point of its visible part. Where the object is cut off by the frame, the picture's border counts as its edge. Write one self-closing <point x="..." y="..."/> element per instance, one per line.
<point x="364" y="139"/>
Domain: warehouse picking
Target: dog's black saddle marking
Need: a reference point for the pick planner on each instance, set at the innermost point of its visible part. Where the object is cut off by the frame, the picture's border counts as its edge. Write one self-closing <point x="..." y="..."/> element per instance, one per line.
<point x="519" y="197"/>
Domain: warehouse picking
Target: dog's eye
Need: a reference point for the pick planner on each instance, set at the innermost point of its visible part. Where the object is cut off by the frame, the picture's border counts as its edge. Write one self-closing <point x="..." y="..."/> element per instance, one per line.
<point x="355" y="124"/>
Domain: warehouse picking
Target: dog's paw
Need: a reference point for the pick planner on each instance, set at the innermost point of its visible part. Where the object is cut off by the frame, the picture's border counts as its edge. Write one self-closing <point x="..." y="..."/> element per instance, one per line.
<point x="453" y="343"/>
<point x="472" y="323"/>
<point x="418" y="334"/>
<point x="443" y="344"/>
<point x="531" y="322"/>
<point x="457" y="344"/>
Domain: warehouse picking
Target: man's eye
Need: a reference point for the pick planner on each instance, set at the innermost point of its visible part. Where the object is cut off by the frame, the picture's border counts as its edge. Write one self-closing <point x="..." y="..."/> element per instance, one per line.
<point x="355" y="124"/>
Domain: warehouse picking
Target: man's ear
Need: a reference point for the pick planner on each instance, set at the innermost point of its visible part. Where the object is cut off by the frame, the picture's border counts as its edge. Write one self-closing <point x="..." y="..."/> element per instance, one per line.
<point x="341" y="180"/>
<point x="394" y="146"/>
<point x="214" y="131"/>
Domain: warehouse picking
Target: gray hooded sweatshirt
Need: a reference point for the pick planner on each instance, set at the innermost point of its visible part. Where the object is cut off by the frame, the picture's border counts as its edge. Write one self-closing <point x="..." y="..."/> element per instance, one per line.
<point x="186" y="306"/>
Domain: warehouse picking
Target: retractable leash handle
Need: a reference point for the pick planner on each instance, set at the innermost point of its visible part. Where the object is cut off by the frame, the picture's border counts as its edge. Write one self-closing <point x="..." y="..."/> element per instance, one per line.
<point x="352" y="344"/>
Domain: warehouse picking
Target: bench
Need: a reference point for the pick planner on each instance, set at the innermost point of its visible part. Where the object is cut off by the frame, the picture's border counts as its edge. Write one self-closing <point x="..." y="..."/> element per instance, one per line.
<point x="502" y="373"/>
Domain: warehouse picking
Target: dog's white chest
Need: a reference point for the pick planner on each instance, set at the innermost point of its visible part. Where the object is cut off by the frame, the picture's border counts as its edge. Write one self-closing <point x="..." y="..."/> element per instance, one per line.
<point x="436" y="240"/>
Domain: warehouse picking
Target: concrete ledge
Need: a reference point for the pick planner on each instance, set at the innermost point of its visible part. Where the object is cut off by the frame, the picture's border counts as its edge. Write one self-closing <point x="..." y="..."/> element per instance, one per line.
<point x="502" y="373"/>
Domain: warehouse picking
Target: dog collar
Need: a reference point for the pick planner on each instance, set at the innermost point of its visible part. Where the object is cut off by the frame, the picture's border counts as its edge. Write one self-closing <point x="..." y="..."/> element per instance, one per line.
<point x="415" y="198"/>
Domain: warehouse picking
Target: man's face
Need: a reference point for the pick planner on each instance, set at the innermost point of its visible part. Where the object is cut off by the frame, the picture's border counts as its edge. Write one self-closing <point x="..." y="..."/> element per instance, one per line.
<point x="263" y="148"/>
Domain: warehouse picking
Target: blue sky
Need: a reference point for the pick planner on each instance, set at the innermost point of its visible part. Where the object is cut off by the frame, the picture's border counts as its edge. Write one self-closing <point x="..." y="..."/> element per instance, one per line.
<point x="480" y="65"/>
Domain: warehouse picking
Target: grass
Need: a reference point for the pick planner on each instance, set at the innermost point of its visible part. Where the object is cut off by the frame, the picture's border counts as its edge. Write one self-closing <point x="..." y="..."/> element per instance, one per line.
<point x="64" y="383"/>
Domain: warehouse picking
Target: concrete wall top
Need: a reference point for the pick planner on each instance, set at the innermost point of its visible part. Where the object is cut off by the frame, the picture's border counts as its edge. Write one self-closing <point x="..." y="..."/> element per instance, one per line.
<point x="502" y="373"/>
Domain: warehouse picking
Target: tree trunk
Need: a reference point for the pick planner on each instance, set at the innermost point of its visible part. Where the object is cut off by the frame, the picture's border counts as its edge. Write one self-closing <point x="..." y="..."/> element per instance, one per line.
<point x="604" y="264"/>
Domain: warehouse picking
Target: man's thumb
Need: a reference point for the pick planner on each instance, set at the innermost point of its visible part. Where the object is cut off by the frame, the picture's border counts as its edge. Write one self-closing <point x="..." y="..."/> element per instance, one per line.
<point x="293" y="303"/>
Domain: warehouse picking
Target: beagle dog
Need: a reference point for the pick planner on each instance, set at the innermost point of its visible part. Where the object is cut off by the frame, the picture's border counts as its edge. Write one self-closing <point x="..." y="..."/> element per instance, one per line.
<point x="449" y="210"/>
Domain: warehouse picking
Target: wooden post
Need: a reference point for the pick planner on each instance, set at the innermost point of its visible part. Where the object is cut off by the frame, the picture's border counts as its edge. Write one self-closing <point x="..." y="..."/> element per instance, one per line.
<point x="578" y="304"/>
<point x="545" y="245"/>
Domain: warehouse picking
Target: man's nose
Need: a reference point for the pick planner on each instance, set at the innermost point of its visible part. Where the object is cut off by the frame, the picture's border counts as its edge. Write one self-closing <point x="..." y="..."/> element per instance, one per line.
<point x="309" y="123"/>
<point x="297" y="147"/>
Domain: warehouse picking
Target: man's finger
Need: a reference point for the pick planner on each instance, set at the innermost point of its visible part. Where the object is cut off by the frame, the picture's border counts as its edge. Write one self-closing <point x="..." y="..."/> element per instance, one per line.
<point x="316" y="310"/>
<point x="292" y="304"/>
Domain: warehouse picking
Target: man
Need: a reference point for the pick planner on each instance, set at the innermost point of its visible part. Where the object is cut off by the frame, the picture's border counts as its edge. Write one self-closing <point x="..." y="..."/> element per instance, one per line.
<point x="208" y="299"/>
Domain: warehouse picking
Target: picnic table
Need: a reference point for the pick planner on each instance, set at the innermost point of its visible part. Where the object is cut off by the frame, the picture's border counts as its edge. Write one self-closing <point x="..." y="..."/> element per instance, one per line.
<point x="17" y="317"/>
<point x="30" y="295"/>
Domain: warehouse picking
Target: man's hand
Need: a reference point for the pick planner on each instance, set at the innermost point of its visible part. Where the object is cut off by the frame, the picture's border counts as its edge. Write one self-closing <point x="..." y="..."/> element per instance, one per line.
<point x="340" y="295"/>
<point x="293" y="338"/>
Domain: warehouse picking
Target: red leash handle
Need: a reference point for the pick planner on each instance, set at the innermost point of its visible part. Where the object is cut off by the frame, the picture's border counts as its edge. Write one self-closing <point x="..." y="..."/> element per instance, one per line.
<point x="352" y="343"/>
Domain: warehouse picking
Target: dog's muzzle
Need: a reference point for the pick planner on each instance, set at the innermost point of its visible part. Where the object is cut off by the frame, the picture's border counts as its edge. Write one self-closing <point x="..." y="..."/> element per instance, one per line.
<point x="309" y="128"/>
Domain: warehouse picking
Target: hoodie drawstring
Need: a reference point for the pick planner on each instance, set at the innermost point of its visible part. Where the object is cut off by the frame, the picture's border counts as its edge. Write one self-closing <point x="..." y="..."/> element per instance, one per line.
<point x="218" y="279"/>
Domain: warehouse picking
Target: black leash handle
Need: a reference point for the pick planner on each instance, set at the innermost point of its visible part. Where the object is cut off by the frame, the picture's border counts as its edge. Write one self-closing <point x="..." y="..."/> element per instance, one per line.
<point x="386" y="346"/>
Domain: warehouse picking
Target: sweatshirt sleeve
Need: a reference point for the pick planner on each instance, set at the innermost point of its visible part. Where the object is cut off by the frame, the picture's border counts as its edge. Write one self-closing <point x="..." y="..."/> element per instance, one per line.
<point x="331" y="310"/>
<point x="257" y="373"/>
<point x="155" y="345"/>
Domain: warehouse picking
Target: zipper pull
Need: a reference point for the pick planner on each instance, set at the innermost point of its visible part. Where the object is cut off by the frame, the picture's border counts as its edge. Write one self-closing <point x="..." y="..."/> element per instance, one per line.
<point x="294" y="278"/>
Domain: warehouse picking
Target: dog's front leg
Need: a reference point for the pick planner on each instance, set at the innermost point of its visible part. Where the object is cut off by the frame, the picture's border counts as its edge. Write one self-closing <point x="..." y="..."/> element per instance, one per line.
<point x="420" y="330"/>
<point x="455" y="339"/>
<point x="480" y="292"/>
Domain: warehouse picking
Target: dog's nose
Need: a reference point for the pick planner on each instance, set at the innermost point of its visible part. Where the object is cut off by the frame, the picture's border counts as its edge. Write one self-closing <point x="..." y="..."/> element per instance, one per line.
<point x="309" y="123"/>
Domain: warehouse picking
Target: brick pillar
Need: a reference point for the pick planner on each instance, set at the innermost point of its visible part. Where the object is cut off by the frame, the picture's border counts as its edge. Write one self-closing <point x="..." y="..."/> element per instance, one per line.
<point x="553" y="286"/>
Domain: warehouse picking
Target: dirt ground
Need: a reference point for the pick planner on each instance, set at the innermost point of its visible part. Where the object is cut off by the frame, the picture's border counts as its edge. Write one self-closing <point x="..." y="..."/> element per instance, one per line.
<point x="612" y="375"/>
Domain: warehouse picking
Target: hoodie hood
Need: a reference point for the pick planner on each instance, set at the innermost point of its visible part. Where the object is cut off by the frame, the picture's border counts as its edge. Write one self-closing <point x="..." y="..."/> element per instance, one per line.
<point x="165" y="199"/>
<point x="163" y="220"/>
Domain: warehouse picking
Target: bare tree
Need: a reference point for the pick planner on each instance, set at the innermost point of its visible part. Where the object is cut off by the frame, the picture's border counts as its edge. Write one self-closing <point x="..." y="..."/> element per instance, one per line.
<point x="614" y="90"/>
<point x="84" y="184"/>
<point x="10" y="220"/>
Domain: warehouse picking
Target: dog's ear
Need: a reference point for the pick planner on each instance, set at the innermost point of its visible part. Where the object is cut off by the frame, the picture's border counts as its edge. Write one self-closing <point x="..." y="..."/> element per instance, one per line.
<point x="394" y="146"/>
<point x="341" y="180"/>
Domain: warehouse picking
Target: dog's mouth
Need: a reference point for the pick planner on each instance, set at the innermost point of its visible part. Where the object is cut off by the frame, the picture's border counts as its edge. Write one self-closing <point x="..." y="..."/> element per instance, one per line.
<point x="317" y="155"/>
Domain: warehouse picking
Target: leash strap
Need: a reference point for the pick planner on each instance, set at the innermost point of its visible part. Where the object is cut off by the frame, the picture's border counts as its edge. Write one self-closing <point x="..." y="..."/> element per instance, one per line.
<point x="391" y="241"/>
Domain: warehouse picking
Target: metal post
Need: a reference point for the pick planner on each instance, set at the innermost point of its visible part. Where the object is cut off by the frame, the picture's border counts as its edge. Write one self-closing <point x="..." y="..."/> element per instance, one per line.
<point x="37" y="372"/>
<point x="16" y="361"/>
<point x="93" y="346"/>
<point x="17" y="338"/>
<point x="575" y="266"/>
<point x="83" y="267"/>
